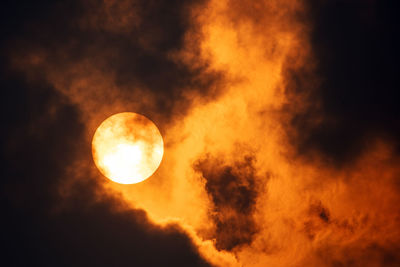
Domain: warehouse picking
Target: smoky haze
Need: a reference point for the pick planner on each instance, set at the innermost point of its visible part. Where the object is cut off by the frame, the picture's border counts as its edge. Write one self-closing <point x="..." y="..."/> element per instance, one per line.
<point x="280" y="122"/>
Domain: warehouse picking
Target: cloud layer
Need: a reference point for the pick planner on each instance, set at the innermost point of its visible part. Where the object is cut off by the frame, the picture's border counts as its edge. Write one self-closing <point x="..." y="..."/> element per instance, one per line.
<point x="279" y="119"/>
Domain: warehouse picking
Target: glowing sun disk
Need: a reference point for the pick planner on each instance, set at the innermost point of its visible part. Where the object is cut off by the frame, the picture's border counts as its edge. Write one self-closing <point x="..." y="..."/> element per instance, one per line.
<point x="127" y="148"/>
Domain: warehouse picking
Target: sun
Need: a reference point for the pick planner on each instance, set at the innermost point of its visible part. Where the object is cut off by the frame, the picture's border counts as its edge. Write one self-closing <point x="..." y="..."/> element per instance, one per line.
<point x="127" y="148"/>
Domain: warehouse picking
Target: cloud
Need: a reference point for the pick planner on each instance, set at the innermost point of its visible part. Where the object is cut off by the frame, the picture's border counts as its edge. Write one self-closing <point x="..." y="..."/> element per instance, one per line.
<point x="57" y="213"/>
<point x="118" y="55"/>
<point x="350" y="89"/>
<point x="279" y="120"/>
<point x="233" y="190"/>
<point x="49" y="219"/>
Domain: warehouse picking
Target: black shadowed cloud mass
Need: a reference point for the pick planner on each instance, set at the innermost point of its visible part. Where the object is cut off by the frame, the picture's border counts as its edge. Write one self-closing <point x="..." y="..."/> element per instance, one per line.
<point x="44" y="133"/>
<point x="352" y="92"/>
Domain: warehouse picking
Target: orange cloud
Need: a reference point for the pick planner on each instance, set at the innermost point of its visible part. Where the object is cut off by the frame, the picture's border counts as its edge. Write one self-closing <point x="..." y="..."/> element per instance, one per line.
<point x="230" y="177"/>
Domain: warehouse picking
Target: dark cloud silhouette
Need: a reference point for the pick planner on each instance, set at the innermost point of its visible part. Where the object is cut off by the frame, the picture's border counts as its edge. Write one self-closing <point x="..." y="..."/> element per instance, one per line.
<point x="136" y="41"/>
<point x="50" y="216"/>
<point x="43" y="227"/>
<point x="233" y="189"/>
<point x="351" y="93"/>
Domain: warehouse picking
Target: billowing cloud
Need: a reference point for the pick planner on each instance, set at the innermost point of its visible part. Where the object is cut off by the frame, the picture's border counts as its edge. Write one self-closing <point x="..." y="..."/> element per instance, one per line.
<point x="233" y="191"/>
<point x="279" y="119"/>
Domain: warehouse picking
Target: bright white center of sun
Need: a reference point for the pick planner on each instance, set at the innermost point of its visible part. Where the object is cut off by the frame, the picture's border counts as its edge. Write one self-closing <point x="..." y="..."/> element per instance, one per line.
<point x="124" y="162"/>
<point x="127" y="148"/>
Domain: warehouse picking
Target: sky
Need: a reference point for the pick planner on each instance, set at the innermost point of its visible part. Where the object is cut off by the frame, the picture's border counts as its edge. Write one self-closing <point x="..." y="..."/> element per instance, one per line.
<point x="280" y="121"/>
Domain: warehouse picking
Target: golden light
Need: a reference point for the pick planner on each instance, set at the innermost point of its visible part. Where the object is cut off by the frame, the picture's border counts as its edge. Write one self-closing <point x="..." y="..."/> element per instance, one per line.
<point x="127" y="148"/>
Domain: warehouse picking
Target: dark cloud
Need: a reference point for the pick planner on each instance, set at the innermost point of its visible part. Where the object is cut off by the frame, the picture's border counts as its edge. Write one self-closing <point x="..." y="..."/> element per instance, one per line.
<point x="42" y="227"/>
<point x="136" y="41"/>
<point x="50" y="215"/>
<point x="233" y="189"/>
<point x="350" y="96"/>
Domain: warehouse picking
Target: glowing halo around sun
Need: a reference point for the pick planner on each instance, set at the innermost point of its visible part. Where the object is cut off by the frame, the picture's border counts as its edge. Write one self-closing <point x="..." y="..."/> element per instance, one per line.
<point x="127" y="148"/>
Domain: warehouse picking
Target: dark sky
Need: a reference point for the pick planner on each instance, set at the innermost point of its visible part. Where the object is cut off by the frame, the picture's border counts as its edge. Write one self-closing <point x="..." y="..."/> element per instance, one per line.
<point x="354" y="86"/>
<point x="350" y="98"/>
